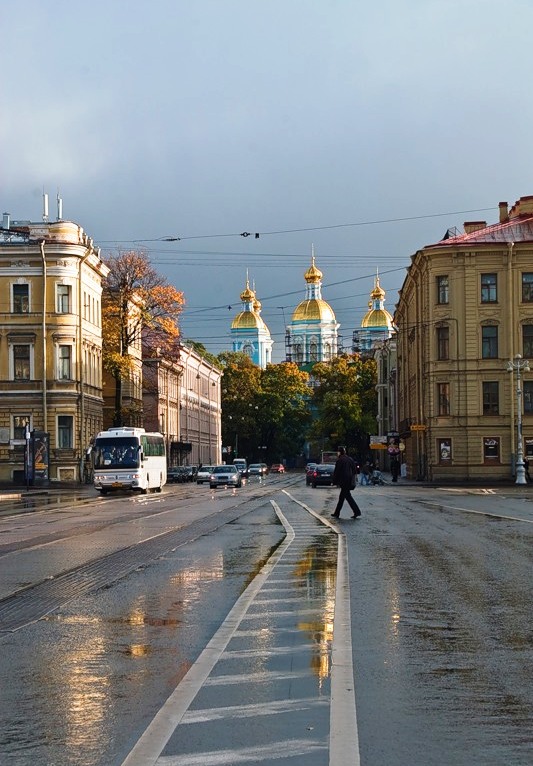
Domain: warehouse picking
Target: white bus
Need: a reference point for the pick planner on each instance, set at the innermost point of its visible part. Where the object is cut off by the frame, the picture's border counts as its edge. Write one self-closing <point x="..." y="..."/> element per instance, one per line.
<point x="129" y="458"/>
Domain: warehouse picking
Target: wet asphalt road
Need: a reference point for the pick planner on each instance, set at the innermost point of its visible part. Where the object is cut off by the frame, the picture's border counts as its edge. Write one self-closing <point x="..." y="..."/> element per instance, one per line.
<point x="441" y="619"/>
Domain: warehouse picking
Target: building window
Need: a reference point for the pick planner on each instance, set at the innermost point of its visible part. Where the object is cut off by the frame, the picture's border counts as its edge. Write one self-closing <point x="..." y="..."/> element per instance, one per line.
<point x="64" y="371"/>
<point x="443" y="285"/>
<point x="21" y="299"/>
<point x="528" y="396"/>
<point x="491" y="449"/>
<point x="248" y="349"/>
<point x="444" y="398"/>
<point x="19" y="426"/>
<point x="444" y="450"/>
<point x="489" y="342"/>
<point x="491" y="403"/>
<point x="443" y="343"/>
<point x="64" y="431"/>
<point x="298" y="353"/>
<point x="63" y="299"/>
<point x="21" y="362"/>
<point x="313" y="351"/>
<point x="489" y="289"/>
<point x="527" y="287"/>
<point x="527" y="341"/>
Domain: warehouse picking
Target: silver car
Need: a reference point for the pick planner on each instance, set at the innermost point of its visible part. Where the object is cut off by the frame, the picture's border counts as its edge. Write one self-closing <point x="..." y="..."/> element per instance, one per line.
<point x="204" y="473"/>
<point x="225" y="476"/>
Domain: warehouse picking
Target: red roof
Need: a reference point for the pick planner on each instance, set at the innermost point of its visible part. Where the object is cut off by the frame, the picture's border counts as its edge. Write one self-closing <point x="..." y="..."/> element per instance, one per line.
<point x="517" y="229"/>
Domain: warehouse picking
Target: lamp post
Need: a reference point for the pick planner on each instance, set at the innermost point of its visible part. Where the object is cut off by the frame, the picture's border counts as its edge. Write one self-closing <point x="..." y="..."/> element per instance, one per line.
<point x="519" y="366"/>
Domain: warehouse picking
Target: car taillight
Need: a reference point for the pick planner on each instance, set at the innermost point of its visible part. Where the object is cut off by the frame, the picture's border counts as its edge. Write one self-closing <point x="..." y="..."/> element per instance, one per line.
<point x="315" y="473"/>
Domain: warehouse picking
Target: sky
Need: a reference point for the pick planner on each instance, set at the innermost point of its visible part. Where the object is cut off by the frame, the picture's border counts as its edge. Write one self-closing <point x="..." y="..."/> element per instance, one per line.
<point x="362" y="130"/>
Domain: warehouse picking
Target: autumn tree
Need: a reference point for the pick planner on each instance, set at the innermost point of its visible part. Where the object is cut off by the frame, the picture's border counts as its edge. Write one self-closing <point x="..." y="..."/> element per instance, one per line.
<point x="139" y="308"/>
<point x="344" y="402"/>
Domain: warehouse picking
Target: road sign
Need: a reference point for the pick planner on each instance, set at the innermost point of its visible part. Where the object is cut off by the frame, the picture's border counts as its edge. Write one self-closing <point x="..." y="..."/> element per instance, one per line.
<point x="418" y="428"/>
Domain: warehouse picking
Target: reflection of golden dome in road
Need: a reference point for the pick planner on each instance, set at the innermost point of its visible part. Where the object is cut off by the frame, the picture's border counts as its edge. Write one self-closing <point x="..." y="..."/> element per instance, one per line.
<point x="313" y="309"/>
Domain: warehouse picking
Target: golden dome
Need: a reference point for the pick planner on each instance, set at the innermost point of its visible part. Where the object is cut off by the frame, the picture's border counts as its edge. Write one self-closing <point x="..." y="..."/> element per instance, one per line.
<point x="377" y="318"/>
<point x="313" y="309"/>
<point x="378" y="292"/>
<point x="247" y="294"/>
<point x="313" y="275"/>
<point x="247" y="320"/>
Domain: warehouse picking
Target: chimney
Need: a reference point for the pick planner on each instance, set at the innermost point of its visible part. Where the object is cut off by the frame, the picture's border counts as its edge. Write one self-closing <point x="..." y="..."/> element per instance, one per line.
<point x="471" y="226"/>
<point x="504" y="212"/>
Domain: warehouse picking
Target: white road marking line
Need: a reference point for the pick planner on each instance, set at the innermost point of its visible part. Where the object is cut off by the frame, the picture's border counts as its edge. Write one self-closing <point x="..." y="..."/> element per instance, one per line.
<point x="152" y="742"/>
<point x="233" y="654"/>
<point x="251" y="711"/>
<point x="478" y="513"/>
<point x="258" y="678"/>
<point x="276" y="750"/>
<point x="343" y="734"/>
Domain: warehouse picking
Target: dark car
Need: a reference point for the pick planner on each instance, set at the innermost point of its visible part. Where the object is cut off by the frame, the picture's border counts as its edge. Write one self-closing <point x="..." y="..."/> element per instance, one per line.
<point x="176" y="475"/>
<point x="322" y="475"/>
<point x="190" y="472"/>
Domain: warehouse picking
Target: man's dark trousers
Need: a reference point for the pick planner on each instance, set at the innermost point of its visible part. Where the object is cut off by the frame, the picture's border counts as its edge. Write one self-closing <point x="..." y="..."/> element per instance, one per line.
<point x="345" y="494"/>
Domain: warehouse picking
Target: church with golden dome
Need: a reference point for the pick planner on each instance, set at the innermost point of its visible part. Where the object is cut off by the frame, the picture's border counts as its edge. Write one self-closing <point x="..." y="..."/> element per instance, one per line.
<point x="376" y="325"/>
<point x="312" y="335"/>
<point x="249" y="333"/>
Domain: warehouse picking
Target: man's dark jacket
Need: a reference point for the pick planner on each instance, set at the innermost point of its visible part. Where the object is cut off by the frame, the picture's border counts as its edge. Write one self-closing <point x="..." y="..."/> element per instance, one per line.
<point x="344" y="472"/>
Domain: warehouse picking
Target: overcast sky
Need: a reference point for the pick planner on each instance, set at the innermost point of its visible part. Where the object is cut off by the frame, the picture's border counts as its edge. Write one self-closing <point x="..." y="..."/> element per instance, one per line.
<point x="308" y="121"/>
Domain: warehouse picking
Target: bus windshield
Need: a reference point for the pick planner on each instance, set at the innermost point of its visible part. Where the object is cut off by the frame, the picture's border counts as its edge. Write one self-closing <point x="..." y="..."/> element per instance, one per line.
<point x="116" y="452"/>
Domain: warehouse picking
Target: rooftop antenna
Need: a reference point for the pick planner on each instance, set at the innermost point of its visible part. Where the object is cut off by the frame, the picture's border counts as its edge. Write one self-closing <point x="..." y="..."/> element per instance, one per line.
<point x="45" y="207"/>
<point x="59" y="207"/>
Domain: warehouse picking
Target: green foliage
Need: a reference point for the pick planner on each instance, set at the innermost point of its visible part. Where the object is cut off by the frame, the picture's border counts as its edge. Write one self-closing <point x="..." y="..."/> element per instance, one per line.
<point x="345" y="402"/>
<point x="264" y="412"/>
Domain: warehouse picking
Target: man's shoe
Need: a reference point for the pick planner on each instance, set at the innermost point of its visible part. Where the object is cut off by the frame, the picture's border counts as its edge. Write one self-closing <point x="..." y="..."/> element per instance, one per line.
<point x="336" y="515"/>
<point x="356" y="516"/>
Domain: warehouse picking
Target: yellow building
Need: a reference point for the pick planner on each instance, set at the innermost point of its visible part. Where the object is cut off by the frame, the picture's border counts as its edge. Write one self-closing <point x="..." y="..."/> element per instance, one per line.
<point x="51" y="342"/>
<point x="465" y="310"/>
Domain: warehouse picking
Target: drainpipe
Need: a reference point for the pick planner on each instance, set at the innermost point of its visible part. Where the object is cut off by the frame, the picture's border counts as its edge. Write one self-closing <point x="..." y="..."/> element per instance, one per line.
<point x="511" y="317"/>
<point x="45" y="370"/>
<point x="80" y="360"/>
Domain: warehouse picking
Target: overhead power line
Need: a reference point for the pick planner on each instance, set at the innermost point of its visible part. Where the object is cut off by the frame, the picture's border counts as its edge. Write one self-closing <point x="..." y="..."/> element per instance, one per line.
<point x="258" y="234"/>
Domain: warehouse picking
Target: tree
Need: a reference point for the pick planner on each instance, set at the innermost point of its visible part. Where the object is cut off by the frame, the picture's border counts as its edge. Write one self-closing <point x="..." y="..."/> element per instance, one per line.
<point x="283" y="411"/>
<point x="138" y="306"/>
<point x="345" y="402"/>
<point x="264" y="412"/>
<point x="240" y="385"/>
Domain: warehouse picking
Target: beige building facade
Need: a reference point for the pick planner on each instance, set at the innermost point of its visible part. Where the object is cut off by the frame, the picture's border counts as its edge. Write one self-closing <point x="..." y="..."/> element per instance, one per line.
<point x="182" y="400"/>
<point x="464" y="311"/>
<point x="51" y="344"/>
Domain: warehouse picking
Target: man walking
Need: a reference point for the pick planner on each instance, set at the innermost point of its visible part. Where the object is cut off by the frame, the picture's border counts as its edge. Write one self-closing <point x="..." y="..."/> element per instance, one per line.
<point x="344" y="476"/>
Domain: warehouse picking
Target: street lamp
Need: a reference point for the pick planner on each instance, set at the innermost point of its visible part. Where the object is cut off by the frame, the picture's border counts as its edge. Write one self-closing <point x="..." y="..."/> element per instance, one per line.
<point x="519" y="365"/>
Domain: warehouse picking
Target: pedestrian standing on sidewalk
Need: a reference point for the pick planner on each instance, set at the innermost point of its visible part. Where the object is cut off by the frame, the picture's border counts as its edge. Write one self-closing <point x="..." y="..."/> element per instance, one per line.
<point x="344" y="476"/>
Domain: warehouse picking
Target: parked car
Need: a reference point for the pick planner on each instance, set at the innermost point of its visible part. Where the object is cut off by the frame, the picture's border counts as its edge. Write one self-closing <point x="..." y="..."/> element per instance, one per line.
<point x="277" y="468"/>
<point x="190" y="472"/>
<point x="225" y="476"/>
<point x="175" y="475"/>
<point x="322" y="475"/>
<point x="204" y="473"/>
<point x="309" y="471"/>
<point x="257" y="469"/>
